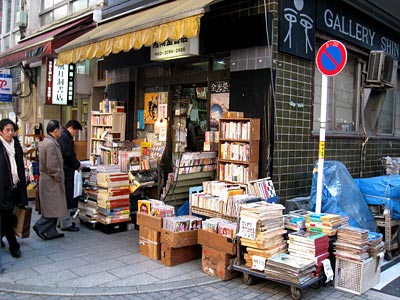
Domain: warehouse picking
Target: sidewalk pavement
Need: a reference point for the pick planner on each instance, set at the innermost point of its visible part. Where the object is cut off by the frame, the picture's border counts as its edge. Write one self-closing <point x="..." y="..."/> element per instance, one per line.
<point x="92" y="263"/>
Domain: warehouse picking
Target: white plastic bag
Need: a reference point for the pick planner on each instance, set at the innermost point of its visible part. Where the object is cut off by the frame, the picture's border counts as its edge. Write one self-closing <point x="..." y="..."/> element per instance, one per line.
<point x="77" y="183"/>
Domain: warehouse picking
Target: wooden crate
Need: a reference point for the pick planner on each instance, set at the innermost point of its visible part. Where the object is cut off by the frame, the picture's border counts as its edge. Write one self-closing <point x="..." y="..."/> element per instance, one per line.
<point x="216" y="263"/>
<point x="175" y="256"/>
<point x="216" y="241"/>
<point x="149" y="242"/>
<point x="148" y="221"/>
<point x="178" y="239"/>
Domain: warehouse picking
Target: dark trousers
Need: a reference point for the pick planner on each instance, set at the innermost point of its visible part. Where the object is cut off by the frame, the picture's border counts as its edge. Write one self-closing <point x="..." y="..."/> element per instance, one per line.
<point x="7" y="228"/>
<point x="47" y="226"/>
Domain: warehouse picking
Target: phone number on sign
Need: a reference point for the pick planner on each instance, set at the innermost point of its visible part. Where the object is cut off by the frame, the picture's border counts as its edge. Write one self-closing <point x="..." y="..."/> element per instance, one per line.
<point x="170" y="51"/>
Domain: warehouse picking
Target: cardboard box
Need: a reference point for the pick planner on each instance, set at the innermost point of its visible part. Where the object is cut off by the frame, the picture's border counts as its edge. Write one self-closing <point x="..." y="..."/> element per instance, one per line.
<point x="148" y="221"/>
<point x="178" y="239"/>
<point x="216" y="241"/>
<point x="175" y="256"/>
<point x="216" y="264"/>
<point x="149" y="243"/>
<point x="233" y="114"/>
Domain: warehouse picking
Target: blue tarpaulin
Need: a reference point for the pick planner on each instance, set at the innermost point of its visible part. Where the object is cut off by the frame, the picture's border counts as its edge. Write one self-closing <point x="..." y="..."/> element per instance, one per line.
<point x="382" y="190"/>
<point x="340" y="195"/>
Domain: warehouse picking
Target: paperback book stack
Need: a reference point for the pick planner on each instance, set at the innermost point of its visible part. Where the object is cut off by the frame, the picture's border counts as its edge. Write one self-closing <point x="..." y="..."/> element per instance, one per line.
<point x="352" y="243"/>
<point x="113" y="197"/>
<point x="322" y="222"/>
<point x="88" y="205"/>
<point x="310" y="245"/>
<point x="290" y="268"/>
<point x="375" y="244"/>
<point x="261" y="230"/>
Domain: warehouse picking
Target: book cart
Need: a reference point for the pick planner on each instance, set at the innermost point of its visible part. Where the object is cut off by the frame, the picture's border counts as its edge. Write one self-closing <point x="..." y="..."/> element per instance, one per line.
<point x="250" y="275"/>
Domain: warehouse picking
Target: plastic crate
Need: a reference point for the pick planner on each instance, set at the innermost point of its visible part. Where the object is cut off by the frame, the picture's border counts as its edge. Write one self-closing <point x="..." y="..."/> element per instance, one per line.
<point x="357" y="277"/>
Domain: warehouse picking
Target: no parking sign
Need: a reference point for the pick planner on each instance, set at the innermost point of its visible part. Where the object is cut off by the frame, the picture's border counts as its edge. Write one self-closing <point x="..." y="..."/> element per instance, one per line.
<point x="331" y="59"/>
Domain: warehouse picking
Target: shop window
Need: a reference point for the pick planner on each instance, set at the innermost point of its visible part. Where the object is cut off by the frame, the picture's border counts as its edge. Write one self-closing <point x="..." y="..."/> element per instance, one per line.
<point x="221" y="63"/>
<point x="343" y="99"/>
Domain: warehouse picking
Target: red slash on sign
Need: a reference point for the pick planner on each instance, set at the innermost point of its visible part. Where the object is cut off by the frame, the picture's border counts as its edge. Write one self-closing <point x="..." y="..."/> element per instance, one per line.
<point x="331" y="58"/>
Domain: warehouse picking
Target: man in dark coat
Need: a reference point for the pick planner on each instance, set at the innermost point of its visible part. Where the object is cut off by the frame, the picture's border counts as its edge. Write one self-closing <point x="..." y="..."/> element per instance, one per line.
<point x="12" y="182"/>
<point x="71" y="163"/>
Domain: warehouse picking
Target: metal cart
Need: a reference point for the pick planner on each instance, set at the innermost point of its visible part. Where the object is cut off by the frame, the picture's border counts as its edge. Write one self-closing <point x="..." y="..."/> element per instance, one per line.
<point x="250" y="275"/>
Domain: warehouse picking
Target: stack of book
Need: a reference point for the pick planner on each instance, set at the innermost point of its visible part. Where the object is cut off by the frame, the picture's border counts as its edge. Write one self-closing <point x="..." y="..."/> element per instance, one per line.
<point x="261" y="230"/>
<point x="113" y="197"/>
<point x="322" y="222"/>
<point x="375" y="244"/>
<point x="88" y="205"/>
<point x="352" y="243"/>
<point x="310" y="245"/>
<point x="290" y="268"/>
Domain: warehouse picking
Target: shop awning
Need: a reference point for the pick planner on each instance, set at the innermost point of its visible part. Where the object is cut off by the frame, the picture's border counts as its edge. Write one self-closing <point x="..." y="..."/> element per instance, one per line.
<point x="173" y="20"/>
<point x="34" y="48"/>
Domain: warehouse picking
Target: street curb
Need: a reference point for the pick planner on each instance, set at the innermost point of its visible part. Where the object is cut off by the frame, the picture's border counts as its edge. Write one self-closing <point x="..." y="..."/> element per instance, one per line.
<point x="109" y="291"/>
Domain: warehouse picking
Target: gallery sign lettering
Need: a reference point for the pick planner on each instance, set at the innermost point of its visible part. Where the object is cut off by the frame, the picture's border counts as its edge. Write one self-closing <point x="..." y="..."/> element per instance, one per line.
<point x="342" y="21"/>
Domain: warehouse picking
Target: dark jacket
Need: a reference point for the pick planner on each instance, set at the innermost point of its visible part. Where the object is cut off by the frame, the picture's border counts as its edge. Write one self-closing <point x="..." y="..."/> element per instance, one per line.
<point x="9" y="196"/>
<point x="71" y="163"/>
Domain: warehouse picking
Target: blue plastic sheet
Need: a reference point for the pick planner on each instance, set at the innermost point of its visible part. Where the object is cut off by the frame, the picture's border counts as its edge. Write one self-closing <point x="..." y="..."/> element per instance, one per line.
<point x="382" y="190"/>
<point x="340" y="195"/>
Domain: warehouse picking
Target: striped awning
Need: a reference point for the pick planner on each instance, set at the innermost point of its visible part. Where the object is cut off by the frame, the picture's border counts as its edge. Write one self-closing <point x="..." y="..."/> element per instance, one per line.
<point x="170" y="21"/>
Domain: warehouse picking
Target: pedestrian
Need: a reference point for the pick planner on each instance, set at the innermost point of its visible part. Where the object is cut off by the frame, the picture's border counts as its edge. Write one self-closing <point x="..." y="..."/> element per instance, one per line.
<point x="12" y="182"/>
<point x="71" y="163"/>
<point x="51" y="184"/>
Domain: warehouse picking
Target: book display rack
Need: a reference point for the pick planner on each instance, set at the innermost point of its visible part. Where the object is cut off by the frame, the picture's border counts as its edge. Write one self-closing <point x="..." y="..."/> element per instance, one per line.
<point x="191" y="169"/>
<point x="239" y="140"/>
<point x="102" y="125"/>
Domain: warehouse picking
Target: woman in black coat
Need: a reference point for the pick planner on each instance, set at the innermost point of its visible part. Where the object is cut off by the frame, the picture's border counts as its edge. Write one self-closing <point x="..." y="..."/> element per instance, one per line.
<point x="12" y="182"/>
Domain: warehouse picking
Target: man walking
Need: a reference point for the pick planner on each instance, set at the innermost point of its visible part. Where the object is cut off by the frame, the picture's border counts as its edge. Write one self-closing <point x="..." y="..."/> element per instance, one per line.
<point x="71" y="163"/>
<point x="51" y="184"/>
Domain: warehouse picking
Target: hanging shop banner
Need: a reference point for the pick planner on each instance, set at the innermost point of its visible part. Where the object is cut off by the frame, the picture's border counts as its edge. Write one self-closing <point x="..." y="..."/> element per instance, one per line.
<point x="5" y="88"/>
<point x="60" y="83"/>
<point x="183" y="47"/>
<point x="297" y="28"/>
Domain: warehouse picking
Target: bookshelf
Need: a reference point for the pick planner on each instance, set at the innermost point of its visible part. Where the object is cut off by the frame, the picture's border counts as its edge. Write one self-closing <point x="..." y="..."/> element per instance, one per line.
<point x="103" y="124"/>
<point x="191" y="169"/>
<point x="239" y="142"/>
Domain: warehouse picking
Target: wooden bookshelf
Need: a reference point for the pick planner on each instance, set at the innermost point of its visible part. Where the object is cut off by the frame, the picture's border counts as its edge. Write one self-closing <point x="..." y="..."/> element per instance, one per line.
<point x="103" y="124"/>
<point x="238" y="145"/>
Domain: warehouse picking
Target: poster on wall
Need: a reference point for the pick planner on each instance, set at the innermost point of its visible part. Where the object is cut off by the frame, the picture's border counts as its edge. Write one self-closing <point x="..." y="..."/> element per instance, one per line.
<point x="219" y="102"/>
<point x="140" y="119"/>
<point x="150" y="108"/>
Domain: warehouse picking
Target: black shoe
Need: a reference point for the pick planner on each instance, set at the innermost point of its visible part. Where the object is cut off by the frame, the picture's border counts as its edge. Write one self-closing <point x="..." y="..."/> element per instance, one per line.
<point x="71" y="228"/>
<point x="39" y="234"/>
<point x="57" y="236"/>
<point x="15" y="252"/>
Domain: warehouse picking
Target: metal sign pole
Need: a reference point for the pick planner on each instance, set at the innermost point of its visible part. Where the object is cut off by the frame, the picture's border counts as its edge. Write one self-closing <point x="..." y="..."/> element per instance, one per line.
<point x="331" y="59"/>
<point x="321" y="154"/>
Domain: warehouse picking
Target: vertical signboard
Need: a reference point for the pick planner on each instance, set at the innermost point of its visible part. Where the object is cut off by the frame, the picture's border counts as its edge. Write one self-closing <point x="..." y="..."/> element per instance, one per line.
<point x="5" y="88"/>
<point x="60" y="83"/>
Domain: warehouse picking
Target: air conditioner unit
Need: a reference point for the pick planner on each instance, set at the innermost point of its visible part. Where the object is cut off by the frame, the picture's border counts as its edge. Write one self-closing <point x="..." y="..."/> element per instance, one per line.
<point x="380" y="68"/>
<point x="21" y="18"/>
